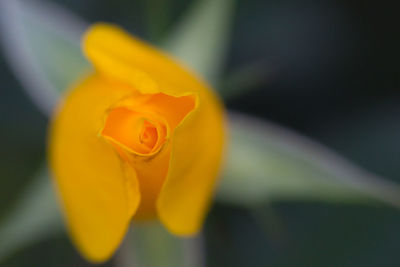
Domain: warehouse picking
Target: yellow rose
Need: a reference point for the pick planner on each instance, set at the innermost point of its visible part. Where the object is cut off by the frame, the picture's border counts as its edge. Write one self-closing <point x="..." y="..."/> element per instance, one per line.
<point x="141" y="138"/>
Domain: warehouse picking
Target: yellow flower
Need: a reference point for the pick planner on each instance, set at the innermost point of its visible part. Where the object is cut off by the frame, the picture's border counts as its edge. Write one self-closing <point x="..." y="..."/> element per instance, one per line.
<point x="140" y="138"/>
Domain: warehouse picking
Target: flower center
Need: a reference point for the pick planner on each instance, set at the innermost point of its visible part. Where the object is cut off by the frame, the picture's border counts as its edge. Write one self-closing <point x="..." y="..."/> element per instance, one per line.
<point x="139" y="133"/>
<point x="143" y="123"/>
<point x="149" y="135"/>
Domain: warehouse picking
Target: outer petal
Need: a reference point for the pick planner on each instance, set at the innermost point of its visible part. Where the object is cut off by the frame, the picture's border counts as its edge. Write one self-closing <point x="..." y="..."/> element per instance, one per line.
<point x="197" y="143"/>
<point x="119" y="55"/>
<point x="195" y="162"/>
<point x="99" y="191"/>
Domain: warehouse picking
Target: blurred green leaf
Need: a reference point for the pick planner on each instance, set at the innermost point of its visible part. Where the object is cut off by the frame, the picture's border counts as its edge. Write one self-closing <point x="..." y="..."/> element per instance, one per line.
<point x="200" y="40"/>
<point x="35" y="217"/>
<point x="42" y="44"/>
<point x="245" y="79"/>
<point x="268" y="163"/>
<point x="150" y="245"/>
<point x="158" y="17"/>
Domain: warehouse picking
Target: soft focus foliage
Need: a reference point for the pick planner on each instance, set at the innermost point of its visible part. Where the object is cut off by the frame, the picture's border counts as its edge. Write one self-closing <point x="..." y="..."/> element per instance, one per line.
<point x="325" y="69"/>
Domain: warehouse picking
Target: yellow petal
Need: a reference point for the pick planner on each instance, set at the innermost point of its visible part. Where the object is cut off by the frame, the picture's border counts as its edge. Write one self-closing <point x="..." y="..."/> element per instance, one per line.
<point x="196" y="154"/>
<point x="99" y="191"/>
<point x="123" y="57"/>
<point x="197" y="143"/>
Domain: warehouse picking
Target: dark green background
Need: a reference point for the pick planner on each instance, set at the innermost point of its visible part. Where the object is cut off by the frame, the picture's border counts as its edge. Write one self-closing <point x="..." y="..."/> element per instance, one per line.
<point x="330" y="71"/>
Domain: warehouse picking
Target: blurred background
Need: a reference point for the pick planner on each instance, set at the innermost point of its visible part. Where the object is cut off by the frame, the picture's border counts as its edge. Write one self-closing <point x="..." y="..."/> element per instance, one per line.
<point x="326" y="69"/>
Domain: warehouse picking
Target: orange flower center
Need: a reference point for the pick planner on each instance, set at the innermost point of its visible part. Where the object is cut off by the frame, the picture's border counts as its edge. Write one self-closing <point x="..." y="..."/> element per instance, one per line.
<point x="140" y="133"/>
<point x="149" y="135"/>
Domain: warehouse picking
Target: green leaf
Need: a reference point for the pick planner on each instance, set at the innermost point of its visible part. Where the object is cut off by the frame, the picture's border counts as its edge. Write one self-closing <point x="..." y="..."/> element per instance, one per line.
<point x="35" y="217"/>
<point x="42" y="44"/>
<point x="200" y="40"/>
<point x="269" y="163"/>
<point x="150" y="245"/>
<point x="158" y="17"/>
<point x="244" y="79"/>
